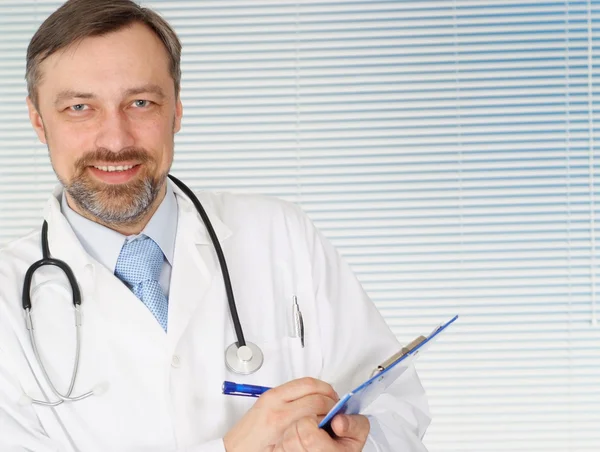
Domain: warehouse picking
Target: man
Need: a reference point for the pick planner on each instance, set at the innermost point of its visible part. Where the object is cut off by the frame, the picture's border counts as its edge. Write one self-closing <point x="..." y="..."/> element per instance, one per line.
<point x="103" y="79"/>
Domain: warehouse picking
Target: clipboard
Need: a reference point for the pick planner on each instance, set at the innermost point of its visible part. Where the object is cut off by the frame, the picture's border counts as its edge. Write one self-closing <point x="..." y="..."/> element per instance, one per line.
<point x="361" y="397"/>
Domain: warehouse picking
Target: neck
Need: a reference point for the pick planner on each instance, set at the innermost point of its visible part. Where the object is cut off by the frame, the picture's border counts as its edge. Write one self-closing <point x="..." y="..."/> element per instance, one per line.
<point x="131" y="228"/>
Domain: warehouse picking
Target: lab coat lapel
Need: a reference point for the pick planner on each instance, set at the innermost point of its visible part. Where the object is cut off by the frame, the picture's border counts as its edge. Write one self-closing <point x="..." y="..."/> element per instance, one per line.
<point x="196" y="270"/>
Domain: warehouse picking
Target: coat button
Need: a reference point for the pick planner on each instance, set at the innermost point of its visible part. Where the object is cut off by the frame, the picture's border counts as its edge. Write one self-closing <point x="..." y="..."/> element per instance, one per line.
<point x="176" y="361"/>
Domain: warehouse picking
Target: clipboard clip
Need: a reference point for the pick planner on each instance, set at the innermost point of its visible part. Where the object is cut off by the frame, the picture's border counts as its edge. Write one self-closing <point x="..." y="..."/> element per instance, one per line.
<point x="396" y="356"/>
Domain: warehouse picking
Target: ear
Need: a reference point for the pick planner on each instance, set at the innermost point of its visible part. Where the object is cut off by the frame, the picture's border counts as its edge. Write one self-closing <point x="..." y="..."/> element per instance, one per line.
<point x="36" y="120"/>
<point x="178" y="115"/>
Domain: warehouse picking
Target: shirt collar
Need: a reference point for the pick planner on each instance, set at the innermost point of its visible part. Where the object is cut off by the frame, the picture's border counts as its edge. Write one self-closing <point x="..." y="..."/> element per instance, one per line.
<point x="104" y="244"/>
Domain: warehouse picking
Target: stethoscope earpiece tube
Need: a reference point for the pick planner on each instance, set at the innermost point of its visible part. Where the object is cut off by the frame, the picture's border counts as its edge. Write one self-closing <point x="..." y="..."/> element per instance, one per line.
<point x="45" y="245"/>
<point x="26" y="299"/>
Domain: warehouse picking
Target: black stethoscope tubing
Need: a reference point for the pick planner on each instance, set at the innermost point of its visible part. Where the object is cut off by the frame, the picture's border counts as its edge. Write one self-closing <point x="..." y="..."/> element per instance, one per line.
<point x="241" y="342"/>
<point x="48" y="260"/>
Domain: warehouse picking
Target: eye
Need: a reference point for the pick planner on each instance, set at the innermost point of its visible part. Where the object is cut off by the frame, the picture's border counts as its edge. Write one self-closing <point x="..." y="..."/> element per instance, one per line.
<point x="79" y="107"/>
<point x="141" y="103"/>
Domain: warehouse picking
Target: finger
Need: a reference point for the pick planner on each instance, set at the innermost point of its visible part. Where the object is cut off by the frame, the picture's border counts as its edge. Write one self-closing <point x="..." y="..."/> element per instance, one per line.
<point x="311" y="405"/>
<point x="313" y="438"/>
<point x="291" y="441"/>
<point x="351" y="426"/>
<point x="302" y="387"/>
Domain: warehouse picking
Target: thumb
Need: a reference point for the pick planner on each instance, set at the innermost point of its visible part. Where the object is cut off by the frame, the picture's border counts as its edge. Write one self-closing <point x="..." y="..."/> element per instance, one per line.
<point x="350" y="426"/>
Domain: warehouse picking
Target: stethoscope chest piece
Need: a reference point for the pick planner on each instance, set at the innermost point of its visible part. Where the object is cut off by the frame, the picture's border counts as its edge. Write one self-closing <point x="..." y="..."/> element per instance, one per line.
<point x="244" y="360"/>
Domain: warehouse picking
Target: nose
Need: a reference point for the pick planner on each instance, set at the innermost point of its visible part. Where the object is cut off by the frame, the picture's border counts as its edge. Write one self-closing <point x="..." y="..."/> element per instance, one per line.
<point x="115" y="131"/>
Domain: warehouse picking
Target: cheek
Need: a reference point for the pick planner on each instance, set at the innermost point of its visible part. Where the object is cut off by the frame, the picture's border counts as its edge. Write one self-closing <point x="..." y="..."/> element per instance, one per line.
<point x="157" y="139"/>
<point x="166" y="157"/>
<point x="65" y="147"/>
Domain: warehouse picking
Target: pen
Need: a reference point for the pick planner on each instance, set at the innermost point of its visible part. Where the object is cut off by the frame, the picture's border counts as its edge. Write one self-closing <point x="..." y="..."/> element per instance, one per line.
<point x="245" y="390"/>
<point x="298" y="321"/>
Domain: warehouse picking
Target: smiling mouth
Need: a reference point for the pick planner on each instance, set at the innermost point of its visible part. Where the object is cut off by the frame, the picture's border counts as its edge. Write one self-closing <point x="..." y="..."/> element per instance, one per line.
<point x="111" y="168"/>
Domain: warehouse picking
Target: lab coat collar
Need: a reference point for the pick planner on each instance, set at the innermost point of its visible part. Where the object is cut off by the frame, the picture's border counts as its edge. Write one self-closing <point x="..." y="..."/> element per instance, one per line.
<point x="200" y="234"/>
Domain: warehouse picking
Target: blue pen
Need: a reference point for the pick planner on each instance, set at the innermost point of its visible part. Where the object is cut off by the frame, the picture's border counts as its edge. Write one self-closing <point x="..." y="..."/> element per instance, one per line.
<point x="245" y="390"/>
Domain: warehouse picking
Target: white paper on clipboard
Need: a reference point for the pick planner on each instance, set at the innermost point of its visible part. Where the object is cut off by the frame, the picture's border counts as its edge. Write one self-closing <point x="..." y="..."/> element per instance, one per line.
<point x="361" y="397"/>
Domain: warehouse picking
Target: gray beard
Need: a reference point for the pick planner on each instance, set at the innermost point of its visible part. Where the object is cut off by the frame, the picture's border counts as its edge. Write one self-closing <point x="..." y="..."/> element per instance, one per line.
<point x="125" y="213"/>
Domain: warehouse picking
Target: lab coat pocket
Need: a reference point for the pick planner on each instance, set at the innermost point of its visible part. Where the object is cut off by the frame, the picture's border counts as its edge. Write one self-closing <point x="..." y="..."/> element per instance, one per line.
<point x="289" y="356"/>
<point x="295" y="357"/>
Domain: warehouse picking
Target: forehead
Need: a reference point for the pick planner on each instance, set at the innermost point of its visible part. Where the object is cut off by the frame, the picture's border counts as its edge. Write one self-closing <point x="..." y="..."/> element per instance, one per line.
<point x="107" y="64"/>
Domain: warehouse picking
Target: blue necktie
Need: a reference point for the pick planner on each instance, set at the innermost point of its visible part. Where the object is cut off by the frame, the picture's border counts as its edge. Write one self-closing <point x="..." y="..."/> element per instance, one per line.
<point x="139" y="266"/>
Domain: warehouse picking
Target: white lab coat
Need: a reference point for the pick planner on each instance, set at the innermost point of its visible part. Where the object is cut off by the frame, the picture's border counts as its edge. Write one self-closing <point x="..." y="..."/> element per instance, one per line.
<point x="164" y="390"/>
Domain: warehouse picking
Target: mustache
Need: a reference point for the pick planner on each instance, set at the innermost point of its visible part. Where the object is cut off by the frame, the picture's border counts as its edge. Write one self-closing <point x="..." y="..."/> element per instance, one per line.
<point x="104" y="155"/>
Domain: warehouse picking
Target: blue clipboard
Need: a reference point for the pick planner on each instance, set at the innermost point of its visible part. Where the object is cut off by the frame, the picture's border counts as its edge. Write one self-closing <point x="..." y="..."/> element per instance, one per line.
<point x="361" y="397"/>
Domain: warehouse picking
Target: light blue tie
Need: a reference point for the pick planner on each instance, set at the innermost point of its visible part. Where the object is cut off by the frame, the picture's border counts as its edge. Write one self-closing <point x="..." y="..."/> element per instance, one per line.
<point x="139" y="266"/>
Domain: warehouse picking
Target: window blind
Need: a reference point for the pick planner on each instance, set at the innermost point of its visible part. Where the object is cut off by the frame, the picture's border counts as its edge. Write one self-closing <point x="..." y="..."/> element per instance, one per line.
<point x="448" y="149"/>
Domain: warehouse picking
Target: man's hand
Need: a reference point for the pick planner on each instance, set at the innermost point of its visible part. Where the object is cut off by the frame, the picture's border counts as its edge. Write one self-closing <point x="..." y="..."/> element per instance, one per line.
<point x="263" y="426"/>
<point x="306" y="436"/>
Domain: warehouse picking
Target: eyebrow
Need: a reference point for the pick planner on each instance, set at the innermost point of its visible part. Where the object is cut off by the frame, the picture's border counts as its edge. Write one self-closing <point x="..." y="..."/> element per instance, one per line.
<point x="71" y="94"/>
<point x="150" y="88"/>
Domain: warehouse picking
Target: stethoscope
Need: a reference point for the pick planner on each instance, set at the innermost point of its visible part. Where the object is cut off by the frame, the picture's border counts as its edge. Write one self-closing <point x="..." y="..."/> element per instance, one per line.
<point x="242" y="357"/>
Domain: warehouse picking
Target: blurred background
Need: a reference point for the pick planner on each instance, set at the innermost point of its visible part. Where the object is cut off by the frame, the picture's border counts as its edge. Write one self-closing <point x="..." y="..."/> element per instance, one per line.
<point x="449" y="149"/>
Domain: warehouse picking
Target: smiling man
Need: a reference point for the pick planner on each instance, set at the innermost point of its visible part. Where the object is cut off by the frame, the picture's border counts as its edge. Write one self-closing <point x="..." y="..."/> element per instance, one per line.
<point x="88" y="100"/>
<point x="154" y="320"/>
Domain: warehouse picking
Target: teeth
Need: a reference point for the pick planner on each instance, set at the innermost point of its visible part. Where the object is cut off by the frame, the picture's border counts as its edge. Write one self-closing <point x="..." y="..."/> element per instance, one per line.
<point x="110" y="169"/>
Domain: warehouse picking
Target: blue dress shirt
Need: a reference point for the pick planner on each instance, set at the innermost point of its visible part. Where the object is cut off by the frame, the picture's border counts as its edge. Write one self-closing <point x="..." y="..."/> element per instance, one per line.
<point x="104" y="244"/>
